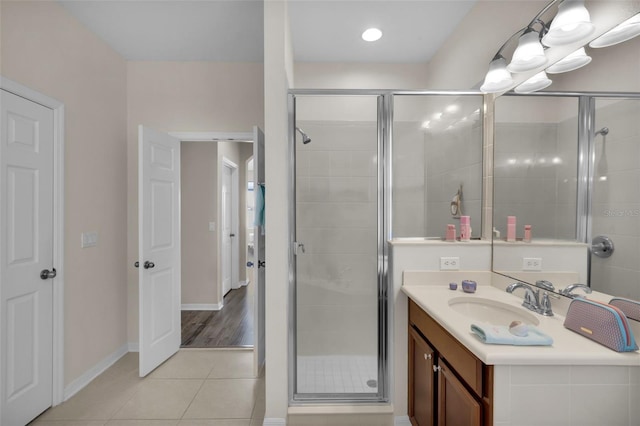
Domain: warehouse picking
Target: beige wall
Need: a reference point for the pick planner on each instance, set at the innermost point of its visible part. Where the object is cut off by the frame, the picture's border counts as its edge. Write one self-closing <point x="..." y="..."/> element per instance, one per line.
<point x="45" y="49"/>
<point x="199" y="189"/>
<point x="183" y="97"/>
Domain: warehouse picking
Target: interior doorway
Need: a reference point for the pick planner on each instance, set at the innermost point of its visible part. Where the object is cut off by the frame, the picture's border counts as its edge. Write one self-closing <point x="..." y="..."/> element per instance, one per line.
<point x="218" y="300"/>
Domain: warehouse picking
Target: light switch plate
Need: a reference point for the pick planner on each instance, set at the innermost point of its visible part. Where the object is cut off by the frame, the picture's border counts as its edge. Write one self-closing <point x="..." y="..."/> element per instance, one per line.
<point x="212" y="226"/>
<point x="449" y="263"/>
<point x="89" y="239"/>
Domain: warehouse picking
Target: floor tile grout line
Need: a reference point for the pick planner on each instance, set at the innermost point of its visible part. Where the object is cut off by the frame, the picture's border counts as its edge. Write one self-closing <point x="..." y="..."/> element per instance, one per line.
<point x="193" y="399"/>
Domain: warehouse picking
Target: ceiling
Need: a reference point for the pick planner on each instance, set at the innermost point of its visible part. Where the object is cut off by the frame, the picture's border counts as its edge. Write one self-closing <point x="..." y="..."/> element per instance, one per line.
<point x="232" y="30"/>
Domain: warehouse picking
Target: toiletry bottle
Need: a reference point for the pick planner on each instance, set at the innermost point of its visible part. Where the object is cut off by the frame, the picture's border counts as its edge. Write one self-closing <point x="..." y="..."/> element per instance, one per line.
<point x="451" y="232"/>
<point x="511" y="229"/>
<point x="527" y="234"/>
<point x="465" y="228"/>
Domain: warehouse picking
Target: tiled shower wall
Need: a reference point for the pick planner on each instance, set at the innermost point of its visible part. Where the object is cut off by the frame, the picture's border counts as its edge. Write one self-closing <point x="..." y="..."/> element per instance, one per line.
<point x="616" y="200"/>
<point x="535" y="178"/>
<point x="336" y="197"/>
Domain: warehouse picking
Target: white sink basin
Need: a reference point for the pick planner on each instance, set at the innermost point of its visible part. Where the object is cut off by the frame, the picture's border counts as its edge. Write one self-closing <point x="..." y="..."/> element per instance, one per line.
<point x="491" y="311"/>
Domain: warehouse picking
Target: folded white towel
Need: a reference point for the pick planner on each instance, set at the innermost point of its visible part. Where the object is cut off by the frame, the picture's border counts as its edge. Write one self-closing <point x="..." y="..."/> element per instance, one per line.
<point x="500" y="335"/>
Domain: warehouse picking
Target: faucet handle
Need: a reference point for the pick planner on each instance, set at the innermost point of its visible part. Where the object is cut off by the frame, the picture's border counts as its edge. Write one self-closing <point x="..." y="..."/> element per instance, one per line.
<point x="547" y="285"/>
<point x="545" y="305"/>
<point x="567" y="291"/>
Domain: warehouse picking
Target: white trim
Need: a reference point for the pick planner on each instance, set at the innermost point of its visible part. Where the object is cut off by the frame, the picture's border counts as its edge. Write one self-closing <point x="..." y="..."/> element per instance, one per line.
<point x="58" y="227"/>
<point x="86" y="378"/>
<point x="202" y="306"/>
<point x="133" y="346"/>
<point x="402" y="421"/>
<point x="213" y="136"/>
<point x="235" y="218"/>
<point x="274" y="421"/>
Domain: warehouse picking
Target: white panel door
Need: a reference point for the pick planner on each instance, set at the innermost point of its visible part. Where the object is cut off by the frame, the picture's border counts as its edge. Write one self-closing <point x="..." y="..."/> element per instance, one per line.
<point x="259" y="253"/>
<point x="227" y="229"/>
<point x="159" y="247"/>
<point x="26" y="249"/>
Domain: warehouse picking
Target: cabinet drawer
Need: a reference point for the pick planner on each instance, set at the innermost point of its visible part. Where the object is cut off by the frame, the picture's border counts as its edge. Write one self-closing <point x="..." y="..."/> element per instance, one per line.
<point x="468" y="367"/>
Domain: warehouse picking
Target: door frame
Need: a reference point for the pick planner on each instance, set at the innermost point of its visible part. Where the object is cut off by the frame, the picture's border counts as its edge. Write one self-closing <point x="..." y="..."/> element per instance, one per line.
<point x="235" y="219"/>
<point x="58" y="394"/>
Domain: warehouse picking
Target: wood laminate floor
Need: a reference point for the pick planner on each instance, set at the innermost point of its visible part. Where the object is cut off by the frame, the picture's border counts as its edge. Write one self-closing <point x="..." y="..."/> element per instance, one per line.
<point x="230" y="326"/>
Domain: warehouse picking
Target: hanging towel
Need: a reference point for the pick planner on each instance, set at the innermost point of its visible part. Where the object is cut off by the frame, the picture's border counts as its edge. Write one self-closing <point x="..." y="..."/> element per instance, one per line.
<point x="259" y="208"/>
<point x="500" y="335"/>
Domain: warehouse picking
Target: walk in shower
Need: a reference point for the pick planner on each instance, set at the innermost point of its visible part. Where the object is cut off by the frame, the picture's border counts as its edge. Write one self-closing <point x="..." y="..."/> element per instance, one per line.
<point x="349" y="149"/>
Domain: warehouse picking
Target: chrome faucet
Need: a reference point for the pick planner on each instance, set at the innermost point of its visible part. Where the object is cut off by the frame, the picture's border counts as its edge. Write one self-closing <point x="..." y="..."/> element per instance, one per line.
<point x="532" y="299"/>
<point x="567" y="291"/>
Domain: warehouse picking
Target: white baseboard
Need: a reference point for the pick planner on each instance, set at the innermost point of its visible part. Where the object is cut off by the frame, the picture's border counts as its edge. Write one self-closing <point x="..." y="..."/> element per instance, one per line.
<point x="202" y="306"/>
<point x="86" y="378"/>
<point x="274" y="422"/>
<point x="402" y="421"/>
<point x="134" y="346"/>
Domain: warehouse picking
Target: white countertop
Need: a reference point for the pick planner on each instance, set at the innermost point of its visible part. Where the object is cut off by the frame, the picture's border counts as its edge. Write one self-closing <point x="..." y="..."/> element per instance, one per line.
<point x="568" y="348"/>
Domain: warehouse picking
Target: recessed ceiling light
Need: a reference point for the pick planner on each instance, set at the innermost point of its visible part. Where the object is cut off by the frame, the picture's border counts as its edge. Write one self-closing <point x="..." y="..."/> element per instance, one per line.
<point x="371" y="34"/>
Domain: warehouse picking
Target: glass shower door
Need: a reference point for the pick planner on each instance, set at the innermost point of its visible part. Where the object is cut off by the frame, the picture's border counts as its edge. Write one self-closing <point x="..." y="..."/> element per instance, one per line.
<point x="337" y="230"/>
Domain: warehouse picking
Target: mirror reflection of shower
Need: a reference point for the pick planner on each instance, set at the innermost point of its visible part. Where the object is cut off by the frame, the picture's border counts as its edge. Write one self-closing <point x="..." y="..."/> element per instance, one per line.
<point x="305" y="139"/>
<point x="602" y="167"/>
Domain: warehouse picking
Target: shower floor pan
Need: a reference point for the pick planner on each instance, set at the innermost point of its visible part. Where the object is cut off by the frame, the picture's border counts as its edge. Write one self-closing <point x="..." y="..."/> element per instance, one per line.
<point x="337" y="374"/>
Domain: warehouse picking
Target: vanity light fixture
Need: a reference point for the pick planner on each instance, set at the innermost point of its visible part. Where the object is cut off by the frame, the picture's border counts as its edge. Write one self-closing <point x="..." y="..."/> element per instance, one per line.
<point x="623" y="32"/>
<point x="498" y="78"/>
<point x="529" y="54"/>
<point x="371" y="34"/>
<point x="577" y="59"/>
<point x="571" y="24"/>
<point x="535" y="83"/>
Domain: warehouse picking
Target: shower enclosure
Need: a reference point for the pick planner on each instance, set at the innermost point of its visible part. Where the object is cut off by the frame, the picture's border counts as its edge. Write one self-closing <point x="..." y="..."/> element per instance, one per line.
<point x="347" y="148"/>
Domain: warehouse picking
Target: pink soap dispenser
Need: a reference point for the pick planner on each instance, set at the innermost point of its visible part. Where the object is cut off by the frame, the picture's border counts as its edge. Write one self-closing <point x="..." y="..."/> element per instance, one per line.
<point x="527" y="234"/>
<point x="511" y="229"/>
<point x="451" y="233"/>
<point x="465" y="228"/>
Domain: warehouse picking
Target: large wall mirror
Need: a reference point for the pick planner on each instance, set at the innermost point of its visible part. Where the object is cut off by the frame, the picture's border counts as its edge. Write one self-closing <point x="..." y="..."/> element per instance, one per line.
<point x="568" y="165"/>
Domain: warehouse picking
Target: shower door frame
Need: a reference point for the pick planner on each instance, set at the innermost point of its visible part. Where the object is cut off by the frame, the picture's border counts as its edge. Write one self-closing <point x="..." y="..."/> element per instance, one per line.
<point x="384" y="112"/>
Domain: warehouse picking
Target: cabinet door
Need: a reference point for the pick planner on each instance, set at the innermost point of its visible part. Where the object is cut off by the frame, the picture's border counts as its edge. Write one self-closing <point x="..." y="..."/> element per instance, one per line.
<point x="421" y="381"/>
<point x="456" y="405"/>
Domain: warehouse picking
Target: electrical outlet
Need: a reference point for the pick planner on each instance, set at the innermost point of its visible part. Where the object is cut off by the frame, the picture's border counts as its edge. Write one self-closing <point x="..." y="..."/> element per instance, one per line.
<point x="212" y="226"/>
<point x="532" y="264"/>
<point x="449" y="263"/>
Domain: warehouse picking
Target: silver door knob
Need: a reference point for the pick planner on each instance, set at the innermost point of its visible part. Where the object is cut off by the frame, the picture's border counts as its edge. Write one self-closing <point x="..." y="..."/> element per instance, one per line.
<point x="46" y="274"/>
<point x="148" y="265"/>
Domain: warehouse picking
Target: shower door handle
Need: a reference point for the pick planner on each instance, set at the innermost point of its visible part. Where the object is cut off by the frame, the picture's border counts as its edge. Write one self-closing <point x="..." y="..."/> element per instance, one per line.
<point x="298" y="248"/>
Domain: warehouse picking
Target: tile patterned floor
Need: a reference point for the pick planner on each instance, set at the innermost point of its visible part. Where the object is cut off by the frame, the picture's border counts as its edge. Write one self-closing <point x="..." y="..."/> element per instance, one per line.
<point x="195" y="387"/>
<point x="337" y="374"/>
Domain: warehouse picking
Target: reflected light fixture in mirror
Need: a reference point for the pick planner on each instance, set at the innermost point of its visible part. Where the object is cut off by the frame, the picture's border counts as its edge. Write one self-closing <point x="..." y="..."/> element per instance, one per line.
<point x="571" y="24"/>
<point x="535" y="83"/>
<point x="371" y="34"/>
<point x="577" y="59"/>
<point x="623" y="32"/>
<point x="529" y="54"/>
<point x="497" y="78"/>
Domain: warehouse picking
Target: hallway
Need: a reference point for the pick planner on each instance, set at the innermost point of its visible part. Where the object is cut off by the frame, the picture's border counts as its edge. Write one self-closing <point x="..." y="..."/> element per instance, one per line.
<point x="231" y="326"/>
<point x="196" y="387"/>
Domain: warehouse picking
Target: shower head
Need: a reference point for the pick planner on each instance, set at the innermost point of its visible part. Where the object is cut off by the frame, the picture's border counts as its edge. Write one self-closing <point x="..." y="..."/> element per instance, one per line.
<point x="305" y="139"/>
<point x="604" y="131"/>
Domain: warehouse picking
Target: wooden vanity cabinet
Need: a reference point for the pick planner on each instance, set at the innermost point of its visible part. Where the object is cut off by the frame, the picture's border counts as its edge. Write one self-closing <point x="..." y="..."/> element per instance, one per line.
<point x="448" y="385"/>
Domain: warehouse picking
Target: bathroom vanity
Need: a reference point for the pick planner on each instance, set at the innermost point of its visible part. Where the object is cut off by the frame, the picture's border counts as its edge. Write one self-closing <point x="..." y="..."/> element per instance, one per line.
<point x="461" y="390"/>
<point x="455" y="379"/>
